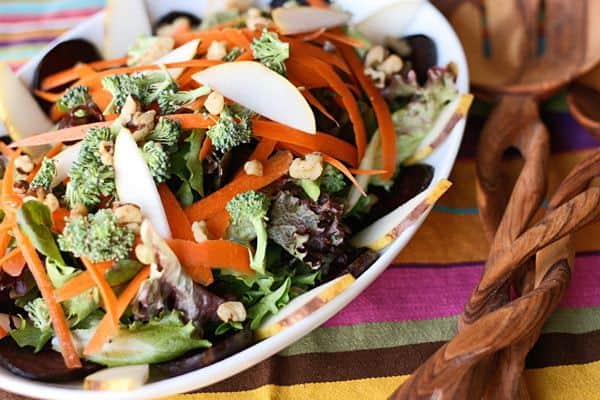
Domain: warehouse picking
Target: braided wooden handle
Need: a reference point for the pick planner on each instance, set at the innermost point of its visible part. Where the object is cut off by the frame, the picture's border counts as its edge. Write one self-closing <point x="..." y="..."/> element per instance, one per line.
<point x="443" y="374"/>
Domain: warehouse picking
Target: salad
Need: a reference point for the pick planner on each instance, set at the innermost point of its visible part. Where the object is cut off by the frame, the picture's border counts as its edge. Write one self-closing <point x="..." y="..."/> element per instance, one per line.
<point x="188" y="191"/>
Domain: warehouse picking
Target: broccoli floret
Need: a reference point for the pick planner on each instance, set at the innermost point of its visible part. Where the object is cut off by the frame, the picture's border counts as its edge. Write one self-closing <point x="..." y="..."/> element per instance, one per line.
<point x="144" y="86"/>
<point x="118" y="86"/>
<point x="171" y="100"/>
<point x="97" y="237"/>
<point x="252" y="207"/>
<point x="233" y="54"/>
<point x="37" y="311"/>
<point x="332" y="180"/>
<point x="45" y="175"/>
<point x="158" y="161"/>
<point x="90" y="179"/>
<point x="271" y="51"/>
<point x="166" y="132"/>
<point x="230" y="131"/>
<point x="73" y="97"/>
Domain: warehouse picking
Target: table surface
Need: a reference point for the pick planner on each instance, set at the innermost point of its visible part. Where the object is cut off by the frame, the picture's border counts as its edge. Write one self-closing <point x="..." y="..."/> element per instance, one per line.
<point x="372" y="345"/>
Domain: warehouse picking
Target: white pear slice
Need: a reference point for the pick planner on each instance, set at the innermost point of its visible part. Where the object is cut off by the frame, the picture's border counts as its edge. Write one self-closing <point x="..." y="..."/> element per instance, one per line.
<point x="368" y="162"/>
<point x="390" y="21"/>
<point x="386" y="229"/>
<point x="455" y="111"/>
<point x="135" y="183"/>
<point x="261" y="90"/>
<point x="304" y="305"/>
<point x="19" y="111"/>
<point x="185" y="52"/>
<point x="118" y="379"/>
<point x="124" y="21"/>
<point x="293" y="20"/>
<point x="63" y="162"/>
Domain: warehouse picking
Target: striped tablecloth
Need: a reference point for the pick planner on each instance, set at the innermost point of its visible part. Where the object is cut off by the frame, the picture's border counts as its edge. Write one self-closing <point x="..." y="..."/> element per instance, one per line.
<point x="370" y="347"/>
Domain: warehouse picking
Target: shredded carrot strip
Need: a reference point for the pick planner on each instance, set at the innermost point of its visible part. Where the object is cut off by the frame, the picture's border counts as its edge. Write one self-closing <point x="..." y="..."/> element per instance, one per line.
<point x="3" y="333"/>
<point x="8" y="195"/>
<point x="321" y="142"/>
<point x="198" y="258"/>
<point x="302" y="77"/>
<point x="84" y="70"/>
<point x="263" y="150"/>
<point x="367" y="171"/>
<point x="55" y="113"/>
<point x="101" y="97"/>
<point x="336" y="83"/>
<point x="58" y="219"/>
<point x="4" y="241"/>
<point x="108" y="295"/>
<point x="316" y="103"/>
<point x="54" y="150"/>
<point x="48" y="96"/>
<point x="62" y="135"/>
<point x="299" y="48"/>
<point x="14" y="264"/>
<point x="341" y="38"/>
<point x="382" y="112"/>
<point x="104" y="330"/>
<point x="59" y="322"/>
<point x="5" y="150"/>
<point x="274" y="168"/>
<point x="79" y="284"/>
<point x="206" y="149"/>
<point x="218" y="223"/>
<point x="180" y="225"/>
<point x="69" y="75"/>
<point x="187" y="121"/>
<point x="318" y="3"/>
<point x="314" y="35"/>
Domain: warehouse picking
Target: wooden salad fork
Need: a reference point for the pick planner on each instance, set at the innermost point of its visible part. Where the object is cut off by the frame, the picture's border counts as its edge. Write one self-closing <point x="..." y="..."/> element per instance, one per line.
<point x="514" y="53"/>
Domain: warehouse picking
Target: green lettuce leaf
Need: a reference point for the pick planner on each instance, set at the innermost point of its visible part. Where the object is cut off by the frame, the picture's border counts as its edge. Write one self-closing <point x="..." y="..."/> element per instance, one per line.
<point x="35" y="221"/>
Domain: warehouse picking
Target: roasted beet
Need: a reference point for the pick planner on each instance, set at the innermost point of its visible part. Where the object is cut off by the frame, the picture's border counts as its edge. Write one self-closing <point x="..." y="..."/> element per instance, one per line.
<point x="62" y="56"/>
<point x="227" y="347"/>
<point x="423" y="55"/>
<point x="46" y="366"/>
<point x="280" y="3"/>
<point x="172" y="16"/>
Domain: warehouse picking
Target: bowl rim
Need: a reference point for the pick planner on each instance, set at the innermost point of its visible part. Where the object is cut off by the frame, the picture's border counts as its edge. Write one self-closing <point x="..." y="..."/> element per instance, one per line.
<point x="445" y="156"/>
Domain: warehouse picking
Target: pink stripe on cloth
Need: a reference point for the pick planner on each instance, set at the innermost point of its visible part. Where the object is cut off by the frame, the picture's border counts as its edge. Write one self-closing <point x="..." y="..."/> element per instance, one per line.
<point x="413" y="293"/>
<point x="78" y="13"/>
<point x="418" y="293"/>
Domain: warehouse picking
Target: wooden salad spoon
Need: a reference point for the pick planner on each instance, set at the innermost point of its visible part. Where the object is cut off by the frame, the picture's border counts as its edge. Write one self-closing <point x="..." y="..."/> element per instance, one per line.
<point x="508" y="57"/>
<point x="583" y="100"/>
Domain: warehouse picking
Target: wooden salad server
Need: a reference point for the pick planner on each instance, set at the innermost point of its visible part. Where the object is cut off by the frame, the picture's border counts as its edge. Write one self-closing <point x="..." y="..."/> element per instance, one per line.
<point x="584" y="101"/>
<point x="514" y="53"/>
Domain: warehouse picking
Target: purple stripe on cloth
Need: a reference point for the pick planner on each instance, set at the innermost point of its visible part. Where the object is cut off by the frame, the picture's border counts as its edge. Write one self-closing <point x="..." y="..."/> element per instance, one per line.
<point x="565" y="134"/>
<point x="35" y="40"/>
<point x="405" y="293"/>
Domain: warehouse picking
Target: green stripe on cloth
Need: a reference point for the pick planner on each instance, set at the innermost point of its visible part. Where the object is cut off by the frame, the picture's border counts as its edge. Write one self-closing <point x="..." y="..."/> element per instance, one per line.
<point x="22" y="51"/>
<point x="392" y="334"/>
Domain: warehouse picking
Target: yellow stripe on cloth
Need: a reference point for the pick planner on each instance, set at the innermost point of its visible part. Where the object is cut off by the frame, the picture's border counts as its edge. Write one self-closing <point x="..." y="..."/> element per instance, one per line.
<point x="371" y="388"/>
<point x="568" y="382"/>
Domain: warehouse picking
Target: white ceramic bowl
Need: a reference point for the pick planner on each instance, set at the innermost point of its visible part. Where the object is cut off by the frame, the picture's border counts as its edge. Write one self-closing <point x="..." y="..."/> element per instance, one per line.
<point x="429" y="21"/>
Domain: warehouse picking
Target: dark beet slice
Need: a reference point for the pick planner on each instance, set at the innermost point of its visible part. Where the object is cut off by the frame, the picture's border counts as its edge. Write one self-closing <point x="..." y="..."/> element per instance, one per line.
<point x="46" y="366"/>
<point x="423" y="55"/>
<point x="172" y="16"/>
<point x="410" y="182"/>
<point x="229" y="346"/>
<point x="64" y="55"/>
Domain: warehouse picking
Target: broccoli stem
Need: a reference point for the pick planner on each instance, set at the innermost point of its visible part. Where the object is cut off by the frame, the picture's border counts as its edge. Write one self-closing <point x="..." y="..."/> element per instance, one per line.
<point x="257" y="262"/>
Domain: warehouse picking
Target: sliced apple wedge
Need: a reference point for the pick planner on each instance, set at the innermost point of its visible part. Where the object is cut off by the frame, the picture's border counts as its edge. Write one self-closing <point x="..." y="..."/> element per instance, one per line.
<point x="135" y="183"/>
<point x="455" y="111"/>
<point x="19" y="111"/>
<point x="124" y="21"/>
<point x="63" y="162"/>
<point x="185" y="52"/>
<point x="384" y="231"/>
<point x="390" y="21"/>
<point x="261" y="90"/>
<point x="303" y="306"/>
<point x="293" y="20"/>
<point x="118" y="379"/>
<point x="367" y="162"/>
